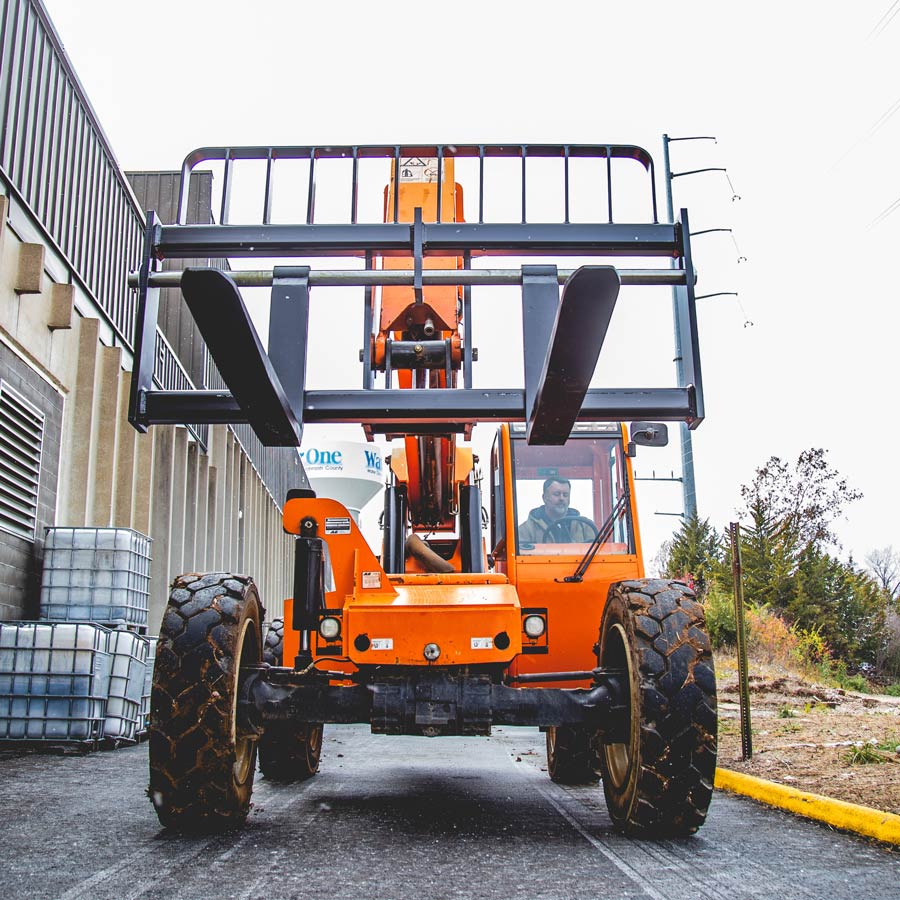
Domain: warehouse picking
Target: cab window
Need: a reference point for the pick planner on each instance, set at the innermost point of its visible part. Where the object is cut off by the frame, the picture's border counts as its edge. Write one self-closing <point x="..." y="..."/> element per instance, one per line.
<point x="566" y="496"/>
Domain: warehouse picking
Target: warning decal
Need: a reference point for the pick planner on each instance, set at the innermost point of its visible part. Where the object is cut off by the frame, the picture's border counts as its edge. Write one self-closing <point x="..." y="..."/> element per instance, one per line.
<point x="337" y="525"/>
<point x="371" y="579"/>
<point x="418" y="168"/>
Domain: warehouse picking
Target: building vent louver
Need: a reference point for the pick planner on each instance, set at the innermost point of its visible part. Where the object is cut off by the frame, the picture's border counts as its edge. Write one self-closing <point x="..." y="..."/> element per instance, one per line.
<point x="21" y="437"/>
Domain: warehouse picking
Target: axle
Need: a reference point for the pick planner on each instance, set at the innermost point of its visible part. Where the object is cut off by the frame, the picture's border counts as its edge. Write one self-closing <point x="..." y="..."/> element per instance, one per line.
<point x="429" y="702"/>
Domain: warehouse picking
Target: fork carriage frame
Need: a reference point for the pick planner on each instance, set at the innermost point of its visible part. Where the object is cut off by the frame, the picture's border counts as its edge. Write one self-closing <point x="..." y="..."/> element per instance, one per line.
<point x="278" y="376"/>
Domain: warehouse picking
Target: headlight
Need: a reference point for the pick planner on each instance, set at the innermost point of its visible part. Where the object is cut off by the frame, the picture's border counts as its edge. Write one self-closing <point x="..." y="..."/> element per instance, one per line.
<point x="534" y="626"/>
<point x="431" y="652"/>
<point x="330" y="628"/>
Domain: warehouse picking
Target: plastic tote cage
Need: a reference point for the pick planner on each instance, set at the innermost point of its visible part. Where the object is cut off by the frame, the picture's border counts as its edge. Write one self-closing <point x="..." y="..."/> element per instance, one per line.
<point x="96" y="575"/>
<point x="54" y="681"/>
<point x="144" y="721"/>
<point x="127" y="680"/>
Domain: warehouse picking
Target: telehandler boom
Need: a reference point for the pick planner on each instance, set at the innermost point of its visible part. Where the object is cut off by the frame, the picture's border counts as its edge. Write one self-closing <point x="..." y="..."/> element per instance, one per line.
<point x="550" y="620"/>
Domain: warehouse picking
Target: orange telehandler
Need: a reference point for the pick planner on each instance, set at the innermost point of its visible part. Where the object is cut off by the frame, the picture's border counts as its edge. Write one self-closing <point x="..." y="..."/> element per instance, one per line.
<point x="550" y="620"/>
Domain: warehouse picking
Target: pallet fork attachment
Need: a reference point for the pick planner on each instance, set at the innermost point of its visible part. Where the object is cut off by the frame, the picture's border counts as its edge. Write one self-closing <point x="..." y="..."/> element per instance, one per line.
<point x="563" y="338"/>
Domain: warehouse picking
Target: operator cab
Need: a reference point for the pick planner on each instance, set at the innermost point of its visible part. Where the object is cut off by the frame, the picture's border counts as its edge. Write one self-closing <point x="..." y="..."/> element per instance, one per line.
<point x="564" y="498"/>
<point x="551" y="520"/>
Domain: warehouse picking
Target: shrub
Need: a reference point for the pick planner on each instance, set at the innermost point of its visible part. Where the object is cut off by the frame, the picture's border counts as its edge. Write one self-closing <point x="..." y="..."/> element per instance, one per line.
<point x="836" y="670"/>
<point x="811" y="648"/>
<point x="719" y="606"/>
<point x="770" y="638"/>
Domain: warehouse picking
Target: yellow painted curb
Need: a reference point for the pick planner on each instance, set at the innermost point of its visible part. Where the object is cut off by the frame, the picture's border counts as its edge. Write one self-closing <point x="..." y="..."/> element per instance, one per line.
<point x="882" y="826"/>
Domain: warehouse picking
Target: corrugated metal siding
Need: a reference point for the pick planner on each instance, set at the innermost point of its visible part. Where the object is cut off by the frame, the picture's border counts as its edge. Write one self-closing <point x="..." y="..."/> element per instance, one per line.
<point x="55" y="155"/>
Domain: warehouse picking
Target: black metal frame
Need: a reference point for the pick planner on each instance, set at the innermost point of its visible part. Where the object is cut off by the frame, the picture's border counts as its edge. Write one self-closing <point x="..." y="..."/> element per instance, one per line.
<point x="434" y="701"/>
<point x="270" y="392"/>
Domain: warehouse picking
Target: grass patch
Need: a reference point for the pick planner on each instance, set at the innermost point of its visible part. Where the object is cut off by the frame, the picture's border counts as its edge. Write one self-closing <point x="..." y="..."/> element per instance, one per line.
<point x="786" y="713"/>
<point x="864" y="754"/>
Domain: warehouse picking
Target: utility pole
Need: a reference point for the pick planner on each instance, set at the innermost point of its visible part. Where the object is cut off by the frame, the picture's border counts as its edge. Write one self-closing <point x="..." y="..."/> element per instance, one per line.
<point x="689" y="489"/>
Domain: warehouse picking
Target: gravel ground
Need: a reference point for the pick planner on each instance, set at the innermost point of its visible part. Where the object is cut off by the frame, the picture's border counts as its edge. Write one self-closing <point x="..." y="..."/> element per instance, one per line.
<point x="837" y="743"/>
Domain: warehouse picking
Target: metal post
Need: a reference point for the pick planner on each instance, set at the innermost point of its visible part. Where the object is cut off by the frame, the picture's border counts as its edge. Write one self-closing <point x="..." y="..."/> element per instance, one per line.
<point x="734" y="531"/>
<point x="688" y="487"/>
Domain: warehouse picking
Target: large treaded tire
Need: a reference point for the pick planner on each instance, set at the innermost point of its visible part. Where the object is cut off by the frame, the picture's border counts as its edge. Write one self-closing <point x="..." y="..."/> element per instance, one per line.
<point x="273" y="646"/>
<point x="573" y="755"/>
<point x="201" y="761"/>
<point x="659" y="780"/>
<point x="288" y="751"/>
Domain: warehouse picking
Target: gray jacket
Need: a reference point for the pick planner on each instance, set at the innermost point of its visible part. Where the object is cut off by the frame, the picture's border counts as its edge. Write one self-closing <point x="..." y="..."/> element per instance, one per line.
<point x="538" y="529"/>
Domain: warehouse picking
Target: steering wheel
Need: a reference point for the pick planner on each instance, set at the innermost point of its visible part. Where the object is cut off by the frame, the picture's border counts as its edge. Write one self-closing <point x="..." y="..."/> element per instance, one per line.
<point x="550" y="534"/>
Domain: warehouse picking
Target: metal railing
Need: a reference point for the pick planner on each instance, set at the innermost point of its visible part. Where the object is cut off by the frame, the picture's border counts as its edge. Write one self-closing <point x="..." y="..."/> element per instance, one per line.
<point x="403" y="158"/>
<point x="170" y="374"/>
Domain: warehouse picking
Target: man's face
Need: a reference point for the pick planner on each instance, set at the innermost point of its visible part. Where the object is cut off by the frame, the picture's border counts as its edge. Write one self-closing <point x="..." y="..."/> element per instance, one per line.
<point x="556" y="500"/>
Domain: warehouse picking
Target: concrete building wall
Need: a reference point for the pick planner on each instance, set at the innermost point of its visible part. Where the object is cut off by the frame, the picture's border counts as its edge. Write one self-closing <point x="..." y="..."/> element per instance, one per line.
<point x="206" y="509"/>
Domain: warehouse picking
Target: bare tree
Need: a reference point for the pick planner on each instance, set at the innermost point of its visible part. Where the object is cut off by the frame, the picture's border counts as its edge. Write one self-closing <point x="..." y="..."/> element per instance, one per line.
<point x="884" y="565"/>
<point x="799" y="500"/>
<point x="661" y="560"/>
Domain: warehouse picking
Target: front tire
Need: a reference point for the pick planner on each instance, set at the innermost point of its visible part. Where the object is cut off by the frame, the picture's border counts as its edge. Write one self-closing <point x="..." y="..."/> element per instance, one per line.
<point x="202" y="759"/>
<point x="572" y="755"/>
<point x="658" y="779"/>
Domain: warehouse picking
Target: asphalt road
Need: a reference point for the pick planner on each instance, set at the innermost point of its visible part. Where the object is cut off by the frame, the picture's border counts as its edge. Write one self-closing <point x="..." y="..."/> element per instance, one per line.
<point x="391" y="818"/>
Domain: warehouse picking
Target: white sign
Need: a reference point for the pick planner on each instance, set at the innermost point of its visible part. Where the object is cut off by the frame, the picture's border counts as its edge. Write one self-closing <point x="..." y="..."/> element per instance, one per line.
<point x="382" y="643"/>
<point x="371" y="579"/>
<point x="483" y="643"/>
<point x="337" y="525"/>
<point x="418" y="168"/>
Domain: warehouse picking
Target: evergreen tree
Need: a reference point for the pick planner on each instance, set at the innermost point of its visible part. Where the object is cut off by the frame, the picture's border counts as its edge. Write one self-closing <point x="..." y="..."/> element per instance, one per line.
<point x="695" y="550"/>
<point x="769" y="557"/>
<point x="792" y="509"/>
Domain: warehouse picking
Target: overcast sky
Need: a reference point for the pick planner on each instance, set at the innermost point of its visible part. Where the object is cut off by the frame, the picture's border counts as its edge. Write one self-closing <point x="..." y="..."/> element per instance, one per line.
<point x="801" y="95"/>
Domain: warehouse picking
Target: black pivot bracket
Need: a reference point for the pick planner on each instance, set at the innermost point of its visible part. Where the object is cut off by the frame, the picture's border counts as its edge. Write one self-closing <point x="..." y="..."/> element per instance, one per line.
<point x="540" y="302"/>
<point x="289" y="332"/>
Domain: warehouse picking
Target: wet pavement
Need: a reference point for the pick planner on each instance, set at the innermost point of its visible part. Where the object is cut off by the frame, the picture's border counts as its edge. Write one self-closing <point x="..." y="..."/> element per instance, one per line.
<point x="390" y="818"/>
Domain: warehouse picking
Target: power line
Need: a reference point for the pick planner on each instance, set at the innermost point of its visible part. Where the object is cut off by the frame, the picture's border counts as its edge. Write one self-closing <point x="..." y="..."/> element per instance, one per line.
<point x="887" y="211"/>
<point x="885" y="20"/>
<point x="882" y="120"/>
<point x="887" y="115"/>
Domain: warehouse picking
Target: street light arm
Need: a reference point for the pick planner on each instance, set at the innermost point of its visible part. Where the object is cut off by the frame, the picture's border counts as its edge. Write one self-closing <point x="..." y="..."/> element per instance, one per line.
<point x="699" y="137"/>
<point x="697" y="171"/>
